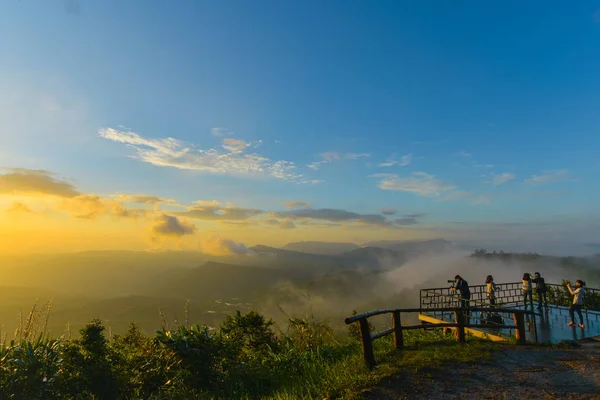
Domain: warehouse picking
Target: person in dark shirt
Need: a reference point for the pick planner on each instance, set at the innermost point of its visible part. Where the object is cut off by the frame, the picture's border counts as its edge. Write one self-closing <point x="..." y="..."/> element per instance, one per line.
<point x="540" y="290"/>
<point x="465" y="294"/>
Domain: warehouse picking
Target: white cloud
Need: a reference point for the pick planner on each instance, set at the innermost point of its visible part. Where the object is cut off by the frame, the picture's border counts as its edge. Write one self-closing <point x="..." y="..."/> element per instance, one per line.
<point x="549" y="177"/>
<point x="330" y="156"/>
<point x="390" y="162"/>
<point x="234" y="145"/>
<point x="170" y="152"/>
<point x="420" y="183"/>
<point x="316" y="165"/>
<point x="464" y="154"/>
<point x="483" y="165"/>
<point x="482" y="200"/>
<point x="405" y="160"/>
<point x="219" y="132"/>
<point x="356" y="156"/>
<point x="503" y="178"/>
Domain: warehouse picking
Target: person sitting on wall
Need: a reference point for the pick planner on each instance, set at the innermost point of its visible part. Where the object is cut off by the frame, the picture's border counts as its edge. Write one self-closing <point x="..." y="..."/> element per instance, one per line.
<point x="540" y="290"/>
<point x="578" y="294"/>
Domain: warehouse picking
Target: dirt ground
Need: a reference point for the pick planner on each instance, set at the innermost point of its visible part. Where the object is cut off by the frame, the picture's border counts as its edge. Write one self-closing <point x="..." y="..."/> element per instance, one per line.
<point x="514" y="373"/>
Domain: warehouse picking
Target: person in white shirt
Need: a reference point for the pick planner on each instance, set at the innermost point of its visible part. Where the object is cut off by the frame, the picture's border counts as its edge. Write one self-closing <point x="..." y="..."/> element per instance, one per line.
<point x="491" y="289"/>
<point x="578" y="294"/>
<point x="527" y="289"/>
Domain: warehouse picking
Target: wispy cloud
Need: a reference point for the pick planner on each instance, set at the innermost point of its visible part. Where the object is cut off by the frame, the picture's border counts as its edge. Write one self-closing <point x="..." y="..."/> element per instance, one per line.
<point x="502" y="178"/>
<point x="420" y="183"/>
<point x="143" y="199"/>
<point x="482" y="199"/>
<point x="170" y="152"/>
<point x="549" y="177"/>
<point x="406" y="221"/>
<point x="234" y="145"/>
<point x="356" y="156"/>
<point x="331" y="156"/>
<point x="478" y="166"/>
<point x="20" y="208"/>
<point x="282" y="224"/>
<point x="332" y="215"/>
<point x="405" y="160"/>
<point x="296" y="204"/>
<point x="90" y="206"/>
<point x="464" y="154"/>
<point x="390" y="162"/>
<point x="215" y="211"/>
<point x="414" y="215"/>
<point x="220" y="132"/>
<point x="388" y="211"/>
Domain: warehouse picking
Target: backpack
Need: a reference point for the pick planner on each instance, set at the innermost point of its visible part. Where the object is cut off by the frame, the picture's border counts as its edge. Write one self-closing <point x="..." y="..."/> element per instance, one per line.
<point x="493" y="318"/>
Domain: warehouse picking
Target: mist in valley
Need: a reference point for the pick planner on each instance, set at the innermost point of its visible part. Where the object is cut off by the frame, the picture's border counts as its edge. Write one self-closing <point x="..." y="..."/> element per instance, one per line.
<point x="156" y="289"/>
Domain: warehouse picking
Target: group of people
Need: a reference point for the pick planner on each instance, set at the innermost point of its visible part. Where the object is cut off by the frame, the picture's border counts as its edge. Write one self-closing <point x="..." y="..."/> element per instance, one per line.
<point x="527" y="288"/>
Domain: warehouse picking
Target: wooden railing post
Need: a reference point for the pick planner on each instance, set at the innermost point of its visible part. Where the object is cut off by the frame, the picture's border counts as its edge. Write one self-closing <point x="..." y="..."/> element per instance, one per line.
<point x="460" y="331"/>
<point x="367" y="344"/>
<point x="520" y="323"/>
<point x="397" y="324"/>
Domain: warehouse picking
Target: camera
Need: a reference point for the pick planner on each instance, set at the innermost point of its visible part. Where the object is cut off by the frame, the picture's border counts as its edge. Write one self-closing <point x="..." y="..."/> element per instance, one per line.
<point x="450" y="280"/>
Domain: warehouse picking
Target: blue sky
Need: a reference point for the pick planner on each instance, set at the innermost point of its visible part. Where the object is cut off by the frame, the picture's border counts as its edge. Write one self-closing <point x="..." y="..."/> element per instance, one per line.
<point x="482" y="112"/>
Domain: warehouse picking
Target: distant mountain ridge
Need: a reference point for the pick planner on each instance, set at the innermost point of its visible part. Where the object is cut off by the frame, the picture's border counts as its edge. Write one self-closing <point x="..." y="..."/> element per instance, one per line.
<point x="325" y="248"/>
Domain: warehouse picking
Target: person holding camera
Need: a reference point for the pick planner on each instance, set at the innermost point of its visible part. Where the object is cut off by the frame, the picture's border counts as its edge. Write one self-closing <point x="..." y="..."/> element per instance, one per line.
<point x="578" y="294"/>
<point x="465" y="294"/>
<point x="540" y="290"/>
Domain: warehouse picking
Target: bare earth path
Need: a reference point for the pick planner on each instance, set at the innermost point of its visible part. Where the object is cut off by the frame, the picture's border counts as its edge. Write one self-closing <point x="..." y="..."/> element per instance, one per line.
<point x="514" y="373"/>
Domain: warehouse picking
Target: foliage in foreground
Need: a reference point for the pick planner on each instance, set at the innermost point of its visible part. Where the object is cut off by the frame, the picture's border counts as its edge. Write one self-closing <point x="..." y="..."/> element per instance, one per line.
<point x="244" y="358"/>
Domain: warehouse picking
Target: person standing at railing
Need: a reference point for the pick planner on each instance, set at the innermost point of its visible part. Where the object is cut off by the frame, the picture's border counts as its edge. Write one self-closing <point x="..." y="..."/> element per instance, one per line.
<point x="527" y="289"/>
<point x="491" y="289"/>
<point x="465" y="294"/>
<point x="540" y="290"/>
<point x="578" y="295"/>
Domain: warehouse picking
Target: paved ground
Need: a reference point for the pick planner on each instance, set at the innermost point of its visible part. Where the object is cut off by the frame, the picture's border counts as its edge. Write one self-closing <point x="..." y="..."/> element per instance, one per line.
<point x="514" y="373"/>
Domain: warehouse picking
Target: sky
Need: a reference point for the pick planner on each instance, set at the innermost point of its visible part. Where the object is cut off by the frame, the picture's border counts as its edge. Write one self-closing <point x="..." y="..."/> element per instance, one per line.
<point x="160" y="125"/>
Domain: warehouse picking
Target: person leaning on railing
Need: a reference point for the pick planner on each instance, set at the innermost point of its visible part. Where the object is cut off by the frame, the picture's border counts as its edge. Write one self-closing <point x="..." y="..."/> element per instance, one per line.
<point x="540" y="290"/>
<point x="465" y="293"/>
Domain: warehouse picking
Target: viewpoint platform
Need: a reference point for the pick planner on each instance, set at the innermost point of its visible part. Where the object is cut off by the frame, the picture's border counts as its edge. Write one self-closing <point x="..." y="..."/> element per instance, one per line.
<point x="543" y="326"/>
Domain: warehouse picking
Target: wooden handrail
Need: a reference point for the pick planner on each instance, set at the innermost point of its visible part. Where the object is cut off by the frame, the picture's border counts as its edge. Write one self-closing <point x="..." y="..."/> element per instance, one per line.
<point x="459" y="325"/>
<point x="373" y="313"/>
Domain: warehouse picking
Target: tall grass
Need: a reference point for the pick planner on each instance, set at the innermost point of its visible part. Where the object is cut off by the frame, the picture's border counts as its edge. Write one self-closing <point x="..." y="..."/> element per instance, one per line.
<point x="247" y="357"/>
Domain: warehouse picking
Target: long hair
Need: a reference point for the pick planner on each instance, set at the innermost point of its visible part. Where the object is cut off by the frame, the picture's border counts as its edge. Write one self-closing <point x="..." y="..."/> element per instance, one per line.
<point x="489" y="279"/>
<point x="526" y="276"/>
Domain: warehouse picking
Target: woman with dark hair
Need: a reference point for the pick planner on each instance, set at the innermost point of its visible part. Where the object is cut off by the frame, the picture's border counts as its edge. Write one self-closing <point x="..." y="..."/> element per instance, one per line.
<point x="527" y="289"/>
<point x="491" y="289"/>
<point x="578" y="294"/>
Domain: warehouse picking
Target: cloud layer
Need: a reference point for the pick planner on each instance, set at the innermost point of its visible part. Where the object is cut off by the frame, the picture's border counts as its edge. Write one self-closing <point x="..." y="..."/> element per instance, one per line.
<point x="170" y="152"/>
<point x="419" y="183"/>
<point x="21" y="181"/>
